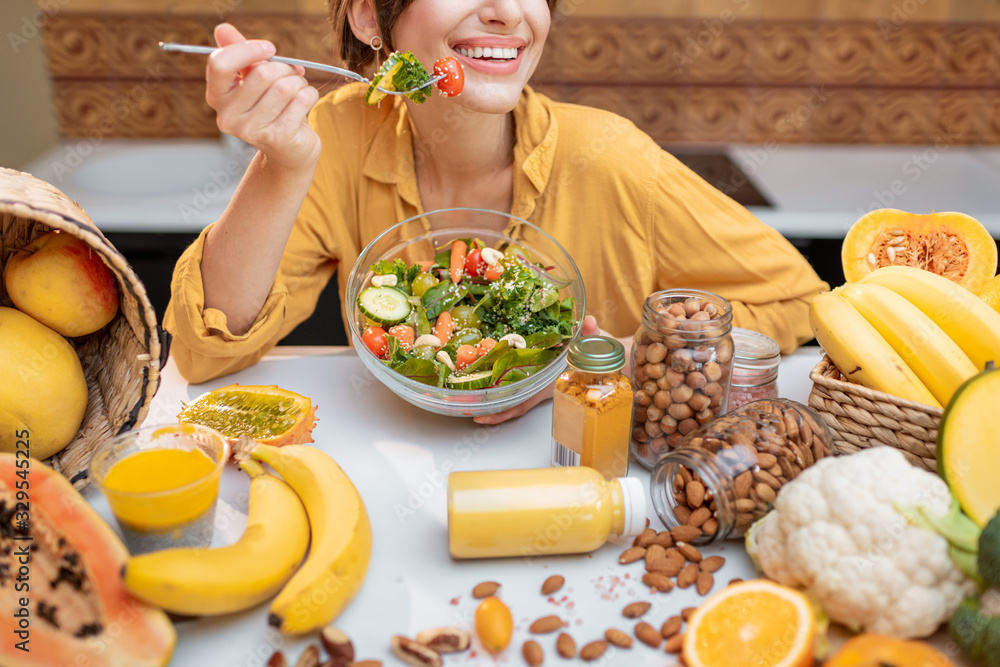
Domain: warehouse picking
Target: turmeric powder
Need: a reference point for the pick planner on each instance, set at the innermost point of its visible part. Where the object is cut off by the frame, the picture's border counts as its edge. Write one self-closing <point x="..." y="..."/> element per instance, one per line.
<point x="592" y="409"/>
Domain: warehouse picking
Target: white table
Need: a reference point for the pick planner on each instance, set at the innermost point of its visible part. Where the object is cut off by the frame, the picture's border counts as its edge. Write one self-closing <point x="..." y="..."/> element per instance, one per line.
<point x="399" y="456"/>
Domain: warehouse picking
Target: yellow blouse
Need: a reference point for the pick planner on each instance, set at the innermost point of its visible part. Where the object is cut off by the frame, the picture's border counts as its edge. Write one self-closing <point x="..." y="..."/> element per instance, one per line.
<point x="633" y="218"/>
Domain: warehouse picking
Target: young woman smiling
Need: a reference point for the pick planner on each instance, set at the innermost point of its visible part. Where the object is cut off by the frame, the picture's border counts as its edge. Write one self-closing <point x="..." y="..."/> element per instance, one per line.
<point x="331" y="174"/>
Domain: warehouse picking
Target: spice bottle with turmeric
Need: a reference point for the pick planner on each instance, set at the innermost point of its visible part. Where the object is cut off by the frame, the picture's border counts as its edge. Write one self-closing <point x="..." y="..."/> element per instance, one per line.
<point x="592" y="408"/>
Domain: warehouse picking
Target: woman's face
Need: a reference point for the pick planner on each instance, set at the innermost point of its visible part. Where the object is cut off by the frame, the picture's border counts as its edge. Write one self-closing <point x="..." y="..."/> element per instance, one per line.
<point x="497" y="42"/>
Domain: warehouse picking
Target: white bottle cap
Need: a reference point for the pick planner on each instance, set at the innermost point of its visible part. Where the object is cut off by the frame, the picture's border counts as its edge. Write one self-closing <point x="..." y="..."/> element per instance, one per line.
<point x="634" y="497"/>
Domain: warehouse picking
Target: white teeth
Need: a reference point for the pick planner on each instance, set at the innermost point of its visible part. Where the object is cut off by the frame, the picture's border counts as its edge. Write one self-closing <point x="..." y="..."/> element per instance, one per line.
<point x="496" y="52"/>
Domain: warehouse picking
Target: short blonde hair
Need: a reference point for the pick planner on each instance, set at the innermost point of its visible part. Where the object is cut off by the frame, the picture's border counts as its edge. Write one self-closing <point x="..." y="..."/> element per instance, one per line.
<point x="358" y="55"/>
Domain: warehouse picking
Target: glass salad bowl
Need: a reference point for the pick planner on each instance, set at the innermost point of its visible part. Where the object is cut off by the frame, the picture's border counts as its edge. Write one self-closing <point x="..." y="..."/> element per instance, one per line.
<point x="514" y="303"/>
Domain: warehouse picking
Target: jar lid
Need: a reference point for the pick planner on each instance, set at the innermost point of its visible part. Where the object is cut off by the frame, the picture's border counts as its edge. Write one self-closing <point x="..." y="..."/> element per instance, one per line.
<point x="754" y="349"/>
<point x="596" y="354"/>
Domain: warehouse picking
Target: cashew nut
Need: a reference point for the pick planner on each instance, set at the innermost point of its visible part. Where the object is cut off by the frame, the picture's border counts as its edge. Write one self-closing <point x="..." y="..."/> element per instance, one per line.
<point x="428" y="339"/>
<point x="384" y="281"/>
<point x="491" y="256"/>
<point x="443" y="357"/>
<point x="515" y="340"/>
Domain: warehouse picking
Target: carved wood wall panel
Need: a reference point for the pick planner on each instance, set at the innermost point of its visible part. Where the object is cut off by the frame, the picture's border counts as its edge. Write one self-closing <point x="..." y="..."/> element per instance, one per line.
<point x="697" y="80"/>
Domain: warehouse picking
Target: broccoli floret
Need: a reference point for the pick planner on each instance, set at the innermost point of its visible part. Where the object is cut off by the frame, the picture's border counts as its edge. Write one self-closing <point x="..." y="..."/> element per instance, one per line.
<point x="989" y="552"/>
<point x="975" y="627"/>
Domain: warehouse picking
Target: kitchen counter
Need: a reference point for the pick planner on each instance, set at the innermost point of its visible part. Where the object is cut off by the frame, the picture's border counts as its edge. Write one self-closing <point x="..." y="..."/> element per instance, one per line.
<point x="399" y="457"/>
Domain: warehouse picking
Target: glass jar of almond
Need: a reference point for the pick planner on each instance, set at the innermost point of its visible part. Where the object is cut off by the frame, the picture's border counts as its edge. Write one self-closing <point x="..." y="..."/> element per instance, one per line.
<point x="727" y="474"/>
<point x="682" y="356"/>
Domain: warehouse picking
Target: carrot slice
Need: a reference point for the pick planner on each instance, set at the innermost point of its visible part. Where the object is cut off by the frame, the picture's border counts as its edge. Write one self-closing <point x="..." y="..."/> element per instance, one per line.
<point x="458" y="249"/>
<point x="443" y="327"/>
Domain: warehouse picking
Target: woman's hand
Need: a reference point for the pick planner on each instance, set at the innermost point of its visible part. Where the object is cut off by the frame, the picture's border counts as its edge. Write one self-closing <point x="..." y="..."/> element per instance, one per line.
<point x="589" y="328"/>
<point x="261" y="102"/>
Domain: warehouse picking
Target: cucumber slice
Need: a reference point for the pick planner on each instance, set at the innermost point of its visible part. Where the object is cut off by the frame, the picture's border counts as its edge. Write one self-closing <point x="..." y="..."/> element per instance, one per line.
<point x="384" y="305"/>
<point x="479" y="380"/>
<point x="383" y="79"/>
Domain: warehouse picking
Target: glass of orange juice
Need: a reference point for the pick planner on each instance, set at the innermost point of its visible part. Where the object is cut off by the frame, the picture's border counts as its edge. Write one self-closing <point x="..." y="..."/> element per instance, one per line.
<point x="162" y="483"/>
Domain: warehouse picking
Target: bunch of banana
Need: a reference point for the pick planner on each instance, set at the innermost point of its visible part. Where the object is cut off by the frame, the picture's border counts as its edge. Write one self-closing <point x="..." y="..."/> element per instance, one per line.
<point x="205" y="581"/>
<point x="906" y="332"/>
<point x="341" y="539"/>
<point x="318" y="500"/>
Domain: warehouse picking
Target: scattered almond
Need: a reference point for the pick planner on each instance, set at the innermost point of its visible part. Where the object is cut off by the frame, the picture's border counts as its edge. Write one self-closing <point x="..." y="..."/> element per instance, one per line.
<point x="635" y="609"/>
<point x="593" y="650"/>
<point x="553" y="584"/>
<point x="644" y="538"/>
<point x="663" y="539"/>
<point x="309" y="657"/>
<point x="689" y="552"/>
<point x="671" y="626"/>
<point x="687" y="611"/>
<point x="546" y="624"/>
<point x="485" y="589"/>
<point x="647" y="634"/>
<point x="366" y="663"/>
<point x="336" y="643"/>
<point x="687" y="576"/>
<point x="674" y="644"/>
<point x="277" y="659"/>
<point x="712" y="564"/>
<point x="703" y="584"/>
<point x="669" y="567"/>
<point x="444" y="640"/>
<point x="631" y="555"/>
<point x="685" y="533"/>
<point x="533" y="653"/>
<point x="658" y="582"/>
<point x="565" y="646"/>
<point x="735" y="580"/>
<point x="618" y="638"/>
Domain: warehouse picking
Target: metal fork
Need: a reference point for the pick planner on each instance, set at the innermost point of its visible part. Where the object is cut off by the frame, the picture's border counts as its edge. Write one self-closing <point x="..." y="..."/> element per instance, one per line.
<point x="308" y="64"/>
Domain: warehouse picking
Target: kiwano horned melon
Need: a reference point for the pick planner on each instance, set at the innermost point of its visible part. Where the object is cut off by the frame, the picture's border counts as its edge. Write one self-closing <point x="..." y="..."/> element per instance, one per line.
<point x="62" y="601"/>
<point x="953" y="245"/>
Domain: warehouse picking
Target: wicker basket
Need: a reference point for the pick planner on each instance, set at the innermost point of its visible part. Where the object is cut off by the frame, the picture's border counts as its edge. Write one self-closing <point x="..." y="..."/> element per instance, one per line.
<point x="122" y="361"/>
<point x="861" y="417"/>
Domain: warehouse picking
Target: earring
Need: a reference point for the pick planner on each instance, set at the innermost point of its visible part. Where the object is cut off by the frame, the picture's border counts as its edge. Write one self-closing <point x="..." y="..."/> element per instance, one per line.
<point x="376" y="43"/>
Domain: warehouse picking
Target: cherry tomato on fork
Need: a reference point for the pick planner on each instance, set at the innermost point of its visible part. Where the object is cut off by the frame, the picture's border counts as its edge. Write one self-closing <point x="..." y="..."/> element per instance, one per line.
<point x="374" y="340"/>
<point x="454" y="80"/>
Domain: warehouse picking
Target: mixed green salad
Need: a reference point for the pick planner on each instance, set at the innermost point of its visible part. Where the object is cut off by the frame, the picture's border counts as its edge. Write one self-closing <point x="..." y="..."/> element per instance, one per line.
<point x="473" y="317"/>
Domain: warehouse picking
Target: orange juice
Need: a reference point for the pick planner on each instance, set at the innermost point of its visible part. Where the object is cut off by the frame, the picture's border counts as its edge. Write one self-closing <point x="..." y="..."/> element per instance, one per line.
<point x="540" y="512"/>
<point x="159" y="488"/>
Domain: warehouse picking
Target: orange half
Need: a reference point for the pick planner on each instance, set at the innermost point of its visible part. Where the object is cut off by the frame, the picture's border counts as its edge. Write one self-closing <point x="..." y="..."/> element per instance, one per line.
<point x="757" y="622"/>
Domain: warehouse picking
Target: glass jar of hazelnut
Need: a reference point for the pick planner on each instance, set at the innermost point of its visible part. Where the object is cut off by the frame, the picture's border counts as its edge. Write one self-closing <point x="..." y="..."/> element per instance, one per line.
<point x="682" y="357"/>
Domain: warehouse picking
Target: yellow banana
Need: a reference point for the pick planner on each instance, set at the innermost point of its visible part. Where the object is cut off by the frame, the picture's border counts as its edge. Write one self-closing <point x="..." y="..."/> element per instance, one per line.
<point x="967" y="319"/>
<point x="924" y="346"/>
<point x="341" y="539"/>
<point x="206" y="581"/>
<point x="861" y="354"/>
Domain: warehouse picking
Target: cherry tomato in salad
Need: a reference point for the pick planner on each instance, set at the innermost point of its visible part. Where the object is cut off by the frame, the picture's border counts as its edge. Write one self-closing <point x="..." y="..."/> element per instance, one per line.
<point x="491" y="273"/>
<point x="454" y="80"/>
<point x="374" y="340"/>
<point x="475" y="266"/>
<point x="404" y="334"/>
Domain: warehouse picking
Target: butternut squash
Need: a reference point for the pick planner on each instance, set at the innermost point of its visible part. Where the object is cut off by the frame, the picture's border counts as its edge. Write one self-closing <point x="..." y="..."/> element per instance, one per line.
<point x="950" y="244"/>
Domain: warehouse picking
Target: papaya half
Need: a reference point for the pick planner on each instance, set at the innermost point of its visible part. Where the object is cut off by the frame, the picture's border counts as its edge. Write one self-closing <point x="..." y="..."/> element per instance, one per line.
<point x="62" y="600"/>
<point x="874" y="650"/>
<point x="953" y="245"/>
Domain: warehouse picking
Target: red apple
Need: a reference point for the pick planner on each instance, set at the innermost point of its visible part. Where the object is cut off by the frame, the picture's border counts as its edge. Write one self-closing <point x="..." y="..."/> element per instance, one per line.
<point x="63" y="283"/>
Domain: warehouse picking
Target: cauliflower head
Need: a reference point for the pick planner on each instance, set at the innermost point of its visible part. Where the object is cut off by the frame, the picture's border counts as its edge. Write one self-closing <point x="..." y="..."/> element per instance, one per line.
<point x="835" y="531"/>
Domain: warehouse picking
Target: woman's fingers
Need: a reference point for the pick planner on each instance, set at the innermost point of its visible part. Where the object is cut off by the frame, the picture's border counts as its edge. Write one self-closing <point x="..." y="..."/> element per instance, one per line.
<point x="227" y="66"/>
